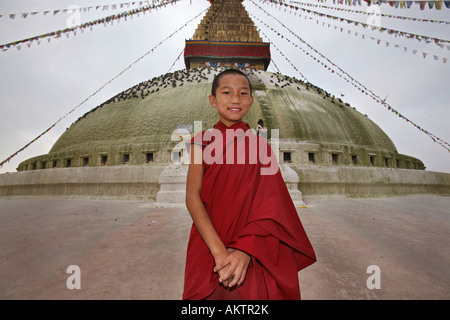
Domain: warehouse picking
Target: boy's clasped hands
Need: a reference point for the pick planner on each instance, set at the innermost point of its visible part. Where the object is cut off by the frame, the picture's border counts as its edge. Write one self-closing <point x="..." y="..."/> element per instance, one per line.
<point x="232" y="267"/>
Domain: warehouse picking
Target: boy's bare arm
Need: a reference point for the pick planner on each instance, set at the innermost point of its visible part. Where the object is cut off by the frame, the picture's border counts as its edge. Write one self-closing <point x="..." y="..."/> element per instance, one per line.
<point x="197" y="210"/>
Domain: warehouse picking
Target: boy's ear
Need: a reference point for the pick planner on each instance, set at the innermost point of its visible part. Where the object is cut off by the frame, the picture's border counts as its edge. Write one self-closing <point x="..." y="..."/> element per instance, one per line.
<point x="212" y="100"/>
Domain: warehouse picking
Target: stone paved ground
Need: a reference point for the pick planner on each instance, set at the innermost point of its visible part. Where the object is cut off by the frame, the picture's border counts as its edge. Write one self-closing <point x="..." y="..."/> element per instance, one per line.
<point x="131" y="250"/>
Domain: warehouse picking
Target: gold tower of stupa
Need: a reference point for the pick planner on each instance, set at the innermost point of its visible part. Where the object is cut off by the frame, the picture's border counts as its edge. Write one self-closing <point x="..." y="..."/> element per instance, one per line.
<point x="227" y="36"/>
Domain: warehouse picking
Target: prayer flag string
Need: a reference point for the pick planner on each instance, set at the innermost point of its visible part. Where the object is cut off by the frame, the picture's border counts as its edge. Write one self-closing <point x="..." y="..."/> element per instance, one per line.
<point x="295" y="68"/>
<point x="107" y="20"/>
<point x="349" y="78"/>
<point x="101" y="88"/>
<point x="390" y="16"/>
<point x="178" y="58"/>
<point x="440" y="42"/>
<point x="397" y="4"/>
<point x="24" y="15"/>
<point x="378" y="41"/>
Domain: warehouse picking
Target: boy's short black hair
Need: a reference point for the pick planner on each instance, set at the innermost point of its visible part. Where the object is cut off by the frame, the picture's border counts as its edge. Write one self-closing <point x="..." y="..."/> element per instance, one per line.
<point x="216" y="80"/>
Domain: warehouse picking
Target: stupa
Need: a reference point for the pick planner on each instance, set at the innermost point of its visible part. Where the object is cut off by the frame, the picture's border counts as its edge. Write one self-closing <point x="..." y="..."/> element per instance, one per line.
<point x="317" y="131"/>
<point x="136" y="127"/>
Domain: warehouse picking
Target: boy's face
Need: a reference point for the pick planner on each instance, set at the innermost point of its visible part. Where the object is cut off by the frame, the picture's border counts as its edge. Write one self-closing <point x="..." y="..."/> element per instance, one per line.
<point x="233" y="99"/>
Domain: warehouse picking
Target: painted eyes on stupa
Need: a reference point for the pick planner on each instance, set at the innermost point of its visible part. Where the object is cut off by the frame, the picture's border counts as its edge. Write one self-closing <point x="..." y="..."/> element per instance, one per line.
<point x="241" y="64"/>
<point x="212" y="64"/>
<point x="234" y="64"/>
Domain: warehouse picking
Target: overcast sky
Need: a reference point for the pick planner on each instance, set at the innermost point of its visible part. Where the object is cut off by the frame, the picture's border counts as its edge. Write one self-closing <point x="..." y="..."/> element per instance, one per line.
<point x="41" y="83"/>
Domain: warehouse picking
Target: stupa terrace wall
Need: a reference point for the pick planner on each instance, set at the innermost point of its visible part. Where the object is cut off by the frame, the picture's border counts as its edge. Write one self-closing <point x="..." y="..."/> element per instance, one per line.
<point x="143" y="182"/>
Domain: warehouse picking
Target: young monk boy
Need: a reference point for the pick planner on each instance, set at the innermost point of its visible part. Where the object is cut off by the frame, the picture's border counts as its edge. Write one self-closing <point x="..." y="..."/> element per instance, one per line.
<point x="247" y="241"/>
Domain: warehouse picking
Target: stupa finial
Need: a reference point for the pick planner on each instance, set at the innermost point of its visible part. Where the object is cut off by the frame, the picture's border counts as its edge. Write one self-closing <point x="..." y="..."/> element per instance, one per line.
<point x="227" y="36"/>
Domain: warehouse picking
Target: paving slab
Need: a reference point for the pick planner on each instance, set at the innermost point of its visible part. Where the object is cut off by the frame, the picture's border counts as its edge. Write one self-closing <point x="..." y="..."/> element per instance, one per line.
<point x="134" y="250"/>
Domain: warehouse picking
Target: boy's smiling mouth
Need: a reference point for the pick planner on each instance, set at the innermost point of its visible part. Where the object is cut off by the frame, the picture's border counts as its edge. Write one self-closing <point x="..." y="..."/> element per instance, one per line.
<point x="234" y="109"/>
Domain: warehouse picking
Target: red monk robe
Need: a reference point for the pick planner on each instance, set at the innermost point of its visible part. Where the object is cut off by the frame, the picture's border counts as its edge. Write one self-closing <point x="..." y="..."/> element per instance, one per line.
<point x="254" y="213"/>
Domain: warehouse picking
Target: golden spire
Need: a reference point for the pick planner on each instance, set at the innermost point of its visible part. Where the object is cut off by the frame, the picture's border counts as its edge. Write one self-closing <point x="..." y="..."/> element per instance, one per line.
<point x="227" y="20"/>
<point x="227" y="36"/>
